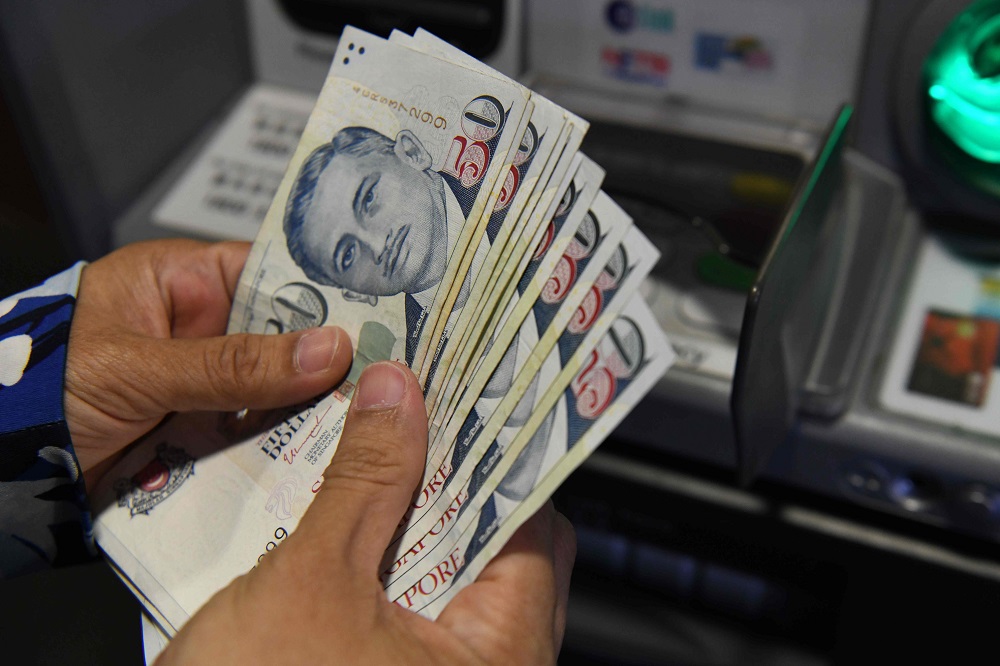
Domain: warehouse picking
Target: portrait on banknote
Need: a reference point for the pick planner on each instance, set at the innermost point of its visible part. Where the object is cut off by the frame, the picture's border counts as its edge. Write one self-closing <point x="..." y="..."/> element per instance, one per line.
<point x="368" y="214"/>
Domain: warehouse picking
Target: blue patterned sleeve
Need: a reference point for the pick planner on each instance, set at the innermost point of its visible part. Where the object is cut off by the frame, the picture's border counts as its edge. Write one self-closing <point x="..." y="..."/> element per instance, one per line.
<point x="44" y="517"/>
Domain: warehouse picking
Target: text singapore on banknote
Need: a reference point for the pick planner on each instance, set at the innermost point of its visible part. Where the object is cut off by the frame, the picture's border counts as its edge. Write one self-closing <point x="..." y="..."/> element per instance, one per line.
<point x="443" y="215"/>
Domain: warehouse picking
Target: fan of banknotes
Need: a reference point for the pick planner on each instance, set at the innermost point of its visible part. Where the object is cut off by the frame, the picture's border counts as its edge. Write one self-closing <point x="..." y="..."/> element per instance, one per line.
<point x="444" y="216"/>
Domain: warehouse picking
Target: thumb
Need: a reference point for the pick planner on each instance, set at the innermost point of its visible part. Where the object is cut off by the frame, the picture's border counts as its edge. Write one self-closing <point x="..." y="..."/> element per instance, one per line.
<point x="232" y="372"/>
<point x="372" y="477"/>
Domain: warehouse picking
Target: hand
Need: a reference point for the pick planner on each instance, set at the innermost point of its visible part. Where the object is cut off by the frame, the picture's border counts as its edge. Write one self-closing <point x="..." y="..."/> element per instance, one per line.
<point x="317" y="597"/>
<point x="147" y="339"/>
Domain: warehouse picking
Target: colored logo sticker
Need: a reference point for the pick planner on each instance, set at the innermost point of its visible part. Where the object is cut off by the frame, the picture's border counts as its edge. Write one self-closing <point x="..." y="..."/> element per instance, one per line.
<point x="635" y="66"/>
<point x="624" y="16"/>
<point x="713" y="52"/>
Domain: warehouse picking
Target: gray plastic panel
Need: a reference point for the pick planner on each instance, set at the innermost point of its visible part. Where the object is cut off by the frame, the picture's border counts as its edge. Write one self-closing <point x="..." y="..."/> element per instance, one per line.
<point x="784" y="312"/>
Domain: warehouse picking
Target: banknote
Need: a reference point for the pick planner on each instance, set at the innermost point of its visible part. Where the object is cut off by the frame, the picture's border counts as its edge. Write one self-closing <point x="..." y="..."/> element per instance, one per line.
<point x="549" y="177"/>
<point x="542" y="155"/>
<point x="564" y="215"/>
<point x="202" y="498"/>
<point x="472" y="251"/>
<point x="560" y="222"/>
<point x="442" y="214"/>
<point x="498" y="420"/>
<point x="515" y="371"/>
<point x="541" y="292"/>
<point x="594" y="242"/>
<point x="397" y="163"/>
<point x="620" y="370"/>
<point x="608" y="296"/>
<point x="490" y="439"/>
<point x="182" y="518"/>
<point x="510" y="262"/>
<point x="496" y="284"/>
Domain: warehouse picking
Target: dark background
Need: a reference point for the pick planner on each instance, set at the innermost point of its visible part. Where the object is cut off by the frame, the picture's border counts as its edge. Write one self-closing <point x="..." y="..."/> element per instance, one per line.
<point x="32" y="248"/>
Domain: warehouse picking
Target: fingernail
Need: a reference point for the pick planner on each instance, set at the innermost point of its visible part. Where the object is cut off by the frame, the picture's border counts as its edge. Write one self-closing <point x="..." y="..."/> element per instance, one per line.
<point x="380" y="385"/>
<point x="316" y="350"/>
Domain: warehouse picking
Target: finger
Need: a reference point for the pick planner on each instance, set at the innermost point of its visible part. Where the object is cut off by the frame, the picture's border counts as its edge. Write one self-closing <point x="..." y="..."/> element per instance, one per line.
<point x="166" y="288"/>
<point x="232" y="372"/>
<point x="231" y="256"/>
<point x="197" y="284"/>
<point x="514" y="595"/>
<point x="378" y="463"/>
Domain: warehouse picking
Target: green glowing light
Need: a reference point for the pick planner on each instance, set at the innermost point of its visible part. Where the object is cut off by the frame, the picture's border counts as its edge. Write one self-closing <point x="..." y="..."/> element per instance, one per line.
<point x="962" y="75"/>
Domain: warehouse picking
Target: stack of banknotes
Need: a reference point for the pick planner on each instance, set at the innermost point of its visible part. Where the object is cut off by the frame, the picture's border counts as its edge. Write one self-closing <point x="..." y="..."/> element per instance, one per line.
<point x="444" y="216"/>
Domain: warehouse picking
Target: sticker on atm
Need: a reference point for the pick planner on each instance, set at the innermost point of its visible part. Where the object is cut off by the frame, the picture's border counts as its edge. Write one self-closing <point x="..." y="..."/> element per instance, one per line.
<point x="635" y="65"/>
<point x="956" y="357"/>
<point x="744" y="53"/>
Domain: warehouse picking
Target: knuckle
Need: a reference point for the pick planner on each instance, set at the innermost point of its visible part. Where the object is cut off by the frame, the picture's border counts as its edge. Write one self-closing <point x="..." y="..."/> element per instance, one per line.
<point x="368" y="460"/>
<point x="94" y="363"/>
<point x="238" y="365"/>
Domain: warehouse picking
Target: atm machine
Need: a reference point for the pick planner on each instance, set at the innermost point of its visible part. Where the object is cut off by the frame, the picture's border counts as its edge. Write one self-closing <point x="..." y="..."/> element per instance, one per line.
<point x="817" y="479"/>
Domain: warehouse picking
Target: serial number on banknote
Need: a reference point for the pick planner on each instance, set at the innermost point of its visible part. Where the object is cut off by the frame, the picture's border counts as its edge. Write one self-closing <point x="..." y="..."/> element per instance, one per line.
<point x="279" y="535"/>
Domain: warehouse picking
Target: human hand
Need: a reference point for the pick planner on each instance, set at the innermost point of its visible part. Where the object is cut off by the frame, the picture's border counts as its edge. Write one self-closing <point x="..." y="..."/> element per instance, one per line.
<point x="147" y="339"/>
<point x="317" y="597"/>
